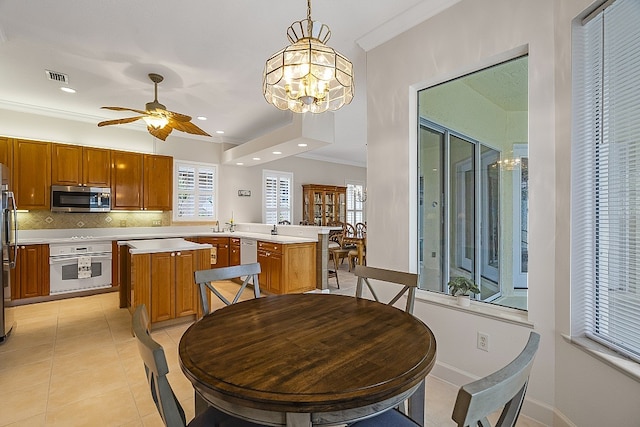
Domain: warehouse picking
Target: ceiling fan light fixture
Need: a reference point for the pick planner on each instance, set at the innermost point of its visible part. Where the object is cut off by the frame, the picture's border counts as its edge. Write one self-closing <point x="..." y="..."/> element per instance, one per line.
<point x="156" y="122"/>
<point x="308" y="75"/>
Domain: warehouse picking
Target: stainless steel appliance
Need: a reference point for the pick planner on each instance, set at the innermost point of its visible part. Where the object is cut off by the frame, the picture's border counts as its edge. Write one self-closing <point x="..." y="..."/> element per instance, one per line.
<point x="79" y="266"/>
<point x="80" y="199"/>
<point x="8" y="236"/>
<point x="248" y="251"/>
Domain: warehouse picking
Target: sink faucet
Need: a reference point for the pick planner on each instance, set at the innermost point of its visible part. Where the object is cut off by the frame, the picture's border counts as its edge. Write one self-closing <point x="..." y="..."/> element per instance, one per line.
<point x="275" y="230"/>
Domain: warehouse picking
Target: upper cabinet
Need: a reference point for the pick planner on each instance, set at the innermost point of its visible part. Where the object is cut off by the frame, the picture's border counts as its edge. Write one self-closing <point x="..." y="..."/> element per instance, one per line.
<point x="323" y="204"/>
<point x="126" y="180"/>
<point x="141" y="181"/>
<point x="32" y="174"/>
<point x="80" y="166"/>
<point x="158" y="182"/>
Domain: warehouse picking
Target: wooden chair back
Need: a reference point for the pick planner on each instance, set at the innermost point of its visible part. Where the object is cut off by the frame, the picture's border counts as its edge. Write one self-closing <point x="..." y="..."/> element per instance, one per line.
<point x="504" y="389"/>
<point x="205" y="281"/>
<point x="409" y="281"/>
<point x="156" y="368"/>
<point x="361" y="229"/>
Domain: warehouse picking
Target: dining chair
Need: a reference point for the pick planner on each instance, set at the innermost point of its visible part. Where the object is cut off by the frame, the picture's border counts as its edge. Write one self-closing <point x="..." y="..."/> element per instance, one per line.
<point x="409" y="281"/>
<point x="157" y="368"/>
<point x="504" y="389"/>
<point x="205" y="279"/>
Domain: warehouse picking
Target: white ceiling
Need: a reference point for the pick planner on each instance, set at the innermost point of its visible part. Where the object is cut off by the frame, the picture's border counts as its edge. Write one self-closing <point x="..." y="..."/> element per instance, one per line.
<point x="211" y="54"/>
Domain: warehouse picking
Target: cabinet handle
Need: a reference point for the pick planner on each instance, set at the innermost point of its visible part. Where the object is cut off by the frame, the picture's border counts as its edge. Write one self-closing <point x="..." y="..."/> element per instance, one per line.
<point x="173" y="254"/>
<point x="179" y="253"/>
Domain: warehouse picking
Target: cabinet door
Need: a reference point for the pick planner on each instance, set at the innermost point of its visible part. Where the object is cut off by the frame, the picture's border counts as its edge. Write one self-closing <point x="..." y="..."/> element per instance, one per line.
<point x="234" y="251"/>
<point x="32" y="174"/>
<point x="66" y="164"/>
<point x="29" y="272"/>
<point x="162" y="286"/>
<point x="275" y="272"/>
<point x="187" y="298"/>
<point x="263" y="277"/>
<point x="96" y="167"/>
<point x="126" y="180"/>
<point x="6" y="155"/>
<point x="158" y="182"/>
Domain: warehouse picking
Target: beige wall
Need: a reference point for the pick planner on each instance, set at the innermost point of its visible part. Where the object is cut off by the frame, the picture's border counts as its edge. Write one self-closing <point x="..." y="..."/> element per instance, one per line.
<point x="568" y="387"/>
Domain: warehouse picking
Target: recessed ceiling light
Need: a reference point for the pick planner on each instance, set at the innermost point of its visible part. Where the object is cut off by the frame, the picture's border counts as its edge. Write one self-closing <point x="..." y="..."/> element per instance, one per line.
<point x="302" y="145"/>
<point x="201" y="118"/>
<point x="67" y="89"/>
<point x="256" y="158"/>
<point x="220" y="132"/>
<point x="239" y="163"/>
<point x="277" y="152"/>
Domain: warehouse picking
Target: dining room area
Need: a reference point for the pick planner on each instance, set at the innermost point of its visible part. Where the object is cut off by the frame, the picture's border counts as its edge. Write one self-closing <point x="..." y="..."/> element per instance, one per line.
<point x="58" y="345"/>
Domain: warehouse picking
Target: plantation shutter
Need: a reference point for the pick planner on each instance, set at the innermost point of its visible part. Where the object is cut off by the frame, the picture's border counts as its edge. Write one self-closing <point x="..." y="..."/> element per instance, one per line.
<point x="277" y="196"/>
<point x="195" y="191"/>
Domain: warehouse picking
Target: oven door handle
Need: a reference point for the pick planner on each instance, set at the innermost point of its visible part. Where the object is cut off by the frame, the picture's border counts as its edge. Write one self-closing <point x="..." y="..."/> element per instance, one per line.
<point x="66" y="258"/>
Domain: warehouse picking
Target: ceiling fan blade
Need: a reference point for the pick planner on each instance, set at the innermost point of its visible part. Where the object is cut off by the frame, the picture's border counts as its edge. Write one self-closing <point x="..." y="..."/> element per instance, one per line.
<point x="177" y="116"/>
<point x="160" y="133"/>
<point x="187" y="127"/>
<point x="125" y="109"/>
<point x="119" y="121"/>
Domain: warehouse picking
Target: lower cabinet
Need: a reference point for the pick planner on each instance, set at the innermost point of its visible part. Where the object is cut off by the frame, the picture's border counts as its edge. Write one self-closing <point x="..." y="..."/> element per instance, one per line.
<point x="164" y="282"/>
<point x="219" y="251"/>
<point x="287" y="268"/>
<point x="234" y="251"/>
<point x="30" y="278"/>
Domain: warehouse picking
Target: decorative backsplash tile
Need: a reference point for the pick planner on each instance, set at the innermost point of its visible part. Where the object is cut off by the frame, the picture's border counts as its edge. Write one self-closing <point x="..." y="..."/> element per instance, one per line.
<point x="36" y="220"/>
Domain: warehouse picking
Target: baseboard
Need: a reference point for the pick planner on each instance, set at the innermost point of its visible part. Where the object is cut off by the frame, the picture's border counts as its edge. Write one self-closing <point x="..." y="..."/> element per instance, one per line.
<point x="538" y="411"/>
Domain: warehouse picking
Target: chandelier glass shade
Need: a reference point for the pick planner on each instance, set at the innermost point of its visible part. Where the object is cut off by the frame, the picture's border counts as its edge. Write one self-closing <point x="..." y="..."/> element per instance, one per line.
<point x="308" y="75"/>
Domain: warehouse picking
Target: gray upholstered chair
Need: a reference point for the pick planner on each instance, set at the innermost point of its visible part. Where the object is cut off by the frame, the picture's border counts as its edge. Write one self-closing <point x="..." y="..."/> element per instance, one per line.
<point x="205" y="280"/>
<point x="156" y="368"/>
<point x="409" y="281"/>
<point x="503" y="390"/>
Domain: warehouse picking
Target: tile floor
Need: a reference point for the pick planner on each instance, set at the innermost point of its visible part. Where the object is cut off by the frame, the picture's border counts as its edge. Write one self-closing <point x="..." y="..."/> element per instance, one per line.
<point x="74" y="362"/>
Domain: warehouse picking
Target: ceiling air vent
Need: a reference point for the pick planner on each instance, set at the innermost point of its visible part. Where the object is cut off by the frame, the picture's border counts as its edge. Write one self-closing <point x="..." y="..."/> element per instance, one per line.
<point x="57" y="77"/>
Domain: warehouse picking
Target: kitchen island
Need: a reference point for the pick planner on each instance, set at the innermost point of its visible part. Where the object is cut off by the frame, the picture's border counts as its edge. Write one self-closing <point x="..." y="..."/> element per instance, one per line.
<point x="160" y="274"/>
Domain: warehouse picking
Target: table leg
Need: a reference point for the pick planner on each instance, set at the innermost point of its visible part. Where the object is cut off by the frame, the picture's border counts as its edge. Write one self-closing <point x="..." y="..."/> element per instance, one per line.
<point x="360" y="253"/>
<point x="298" y="419"/>
<point x="416" y="405"/>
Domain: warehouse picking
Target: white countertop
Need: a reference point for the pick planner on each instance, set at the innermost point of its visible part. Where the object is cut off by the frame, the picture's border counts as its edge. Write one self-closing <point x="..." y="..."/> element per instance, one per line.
<point x="287" y="234"/>
<point x="162" y="245"/>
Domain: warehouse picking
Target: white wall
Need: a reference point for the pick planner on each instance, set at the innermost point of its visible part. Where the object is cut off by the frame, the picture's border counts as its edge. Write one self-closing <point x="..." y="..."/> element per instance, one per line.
<point x="567" y="386"/>
<point x="231" y="178"/>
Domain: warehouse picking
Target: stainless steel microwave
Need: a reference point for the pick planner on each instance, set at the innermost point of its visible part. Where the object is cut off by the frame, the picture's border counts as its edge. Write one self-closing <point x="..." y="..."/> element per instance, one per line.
<point x="80" y="199"/>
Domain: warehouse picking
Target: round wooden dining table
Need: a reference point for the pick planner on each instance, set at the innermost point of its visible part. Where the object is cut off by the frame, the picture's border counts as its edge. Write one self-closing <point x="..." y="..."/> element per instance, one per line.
<point x="308" y="359"/>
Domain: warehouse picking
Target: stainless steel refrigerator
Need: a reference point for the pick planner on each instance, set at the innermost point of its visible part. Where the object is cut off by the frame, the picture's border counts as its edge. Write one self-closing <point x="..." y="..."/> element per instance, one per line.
<point x="8" y="237"/>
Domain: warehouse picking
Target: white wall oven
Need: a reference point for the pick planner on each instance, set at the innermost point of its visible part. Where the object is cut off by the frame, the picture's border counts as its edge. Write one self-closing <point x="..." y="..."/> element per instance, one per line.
<point x="79" y="266"/>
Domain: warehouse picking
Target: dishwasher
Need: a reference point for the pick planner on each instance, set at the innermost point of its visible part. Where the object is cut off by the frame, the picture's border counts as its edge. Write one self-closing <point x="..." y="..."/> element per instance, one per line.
<point x="248" y="251"/>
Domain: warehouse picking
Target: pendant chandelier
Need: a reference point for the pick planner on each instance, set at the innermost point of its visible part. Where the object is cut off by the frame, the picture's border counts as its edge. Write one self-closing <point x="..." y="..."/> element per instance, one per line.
<point x="308" y="75"/>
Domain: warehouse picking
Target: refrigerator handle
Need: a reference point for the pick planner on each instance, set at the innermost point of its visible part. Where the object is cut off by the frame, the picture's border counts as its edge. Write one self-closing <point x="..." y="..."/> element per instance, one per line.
<point x="14" y="208"/>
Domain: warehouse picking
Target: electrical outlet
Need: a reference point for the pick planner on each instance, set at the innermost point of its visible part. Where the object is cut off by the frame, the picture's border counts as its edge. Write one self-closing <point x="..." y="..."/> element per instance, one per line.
<point x="483" y="341"/>
<point x="123" y="223"/>
<point x="156" y="222"/>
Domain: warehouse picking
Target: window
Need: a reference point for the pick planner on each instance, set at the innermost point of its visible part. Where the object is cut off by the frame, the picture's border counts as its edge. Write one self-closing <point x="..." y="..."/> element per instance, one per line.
<point x="356" y="196"/>
<point x="472" y="183"/>
<point x="277" y="196"/>
<point x="605" y="217"/>
<point x="195" y="191"/>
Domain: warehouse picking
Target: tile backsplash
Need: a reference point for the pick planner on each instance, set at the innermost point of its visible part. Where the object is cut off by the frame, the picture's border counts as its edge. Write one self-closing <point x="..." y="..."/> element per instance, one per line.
<point x="36" y="220"/>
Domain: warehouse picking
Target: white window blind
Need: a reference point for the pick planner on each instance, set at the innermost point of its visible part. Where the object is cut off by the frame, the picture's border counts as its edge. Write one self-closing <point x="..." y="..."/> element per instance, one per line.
<point x="277" y="196"/>
<point x="195" y="191"/>
<point x="355" y="208"/>
<point x="605" y="270"/>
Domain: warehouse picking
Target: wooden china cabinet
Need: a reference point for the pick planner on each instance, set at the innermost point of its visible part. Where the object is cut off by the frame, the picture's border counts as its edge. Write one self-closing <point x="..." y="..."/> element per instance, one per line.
<point x="323" y="204"/>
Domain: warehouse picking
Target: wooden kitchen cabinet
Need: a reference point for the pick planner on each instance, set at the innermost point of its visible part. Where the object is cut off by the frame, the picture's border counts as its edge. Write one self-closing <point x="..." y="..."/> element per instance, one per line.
<point x="323" y="204"/>
<point x="76" y="165"/>
<point x="158" y="183"/>
<point x="234" y="251"/>
<point x="6" y="154"/>
<point x="219" y="251"/>
<point x="126" y="180"/>
<point x="30" y="278"/>
<point x="164" y="282"/>
<point x="32" y="174"/>
<point x="287" y="268"/>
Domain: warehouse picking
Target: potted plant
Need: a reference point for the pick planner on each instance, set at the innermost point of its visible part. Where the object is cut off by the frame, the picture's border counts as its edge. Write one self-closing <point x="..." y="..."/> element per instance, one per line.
<point x="462" y="288"/>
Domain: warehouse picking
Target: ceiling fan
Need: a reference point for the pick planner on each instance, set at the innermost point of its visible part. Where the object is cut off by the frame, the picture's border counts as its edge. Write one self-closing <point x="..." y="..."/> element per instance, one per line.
<point x="160" y="121"/>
